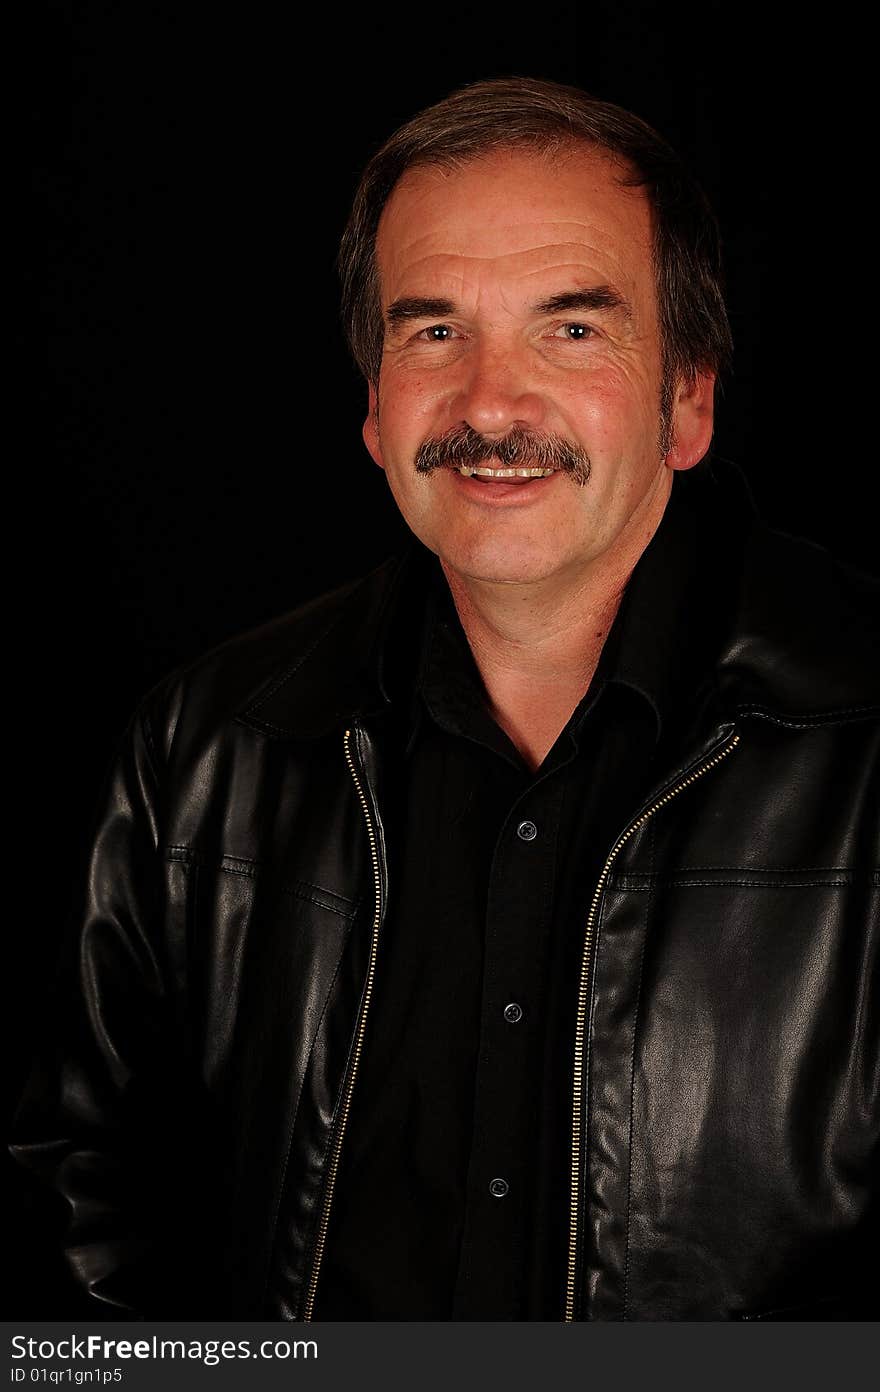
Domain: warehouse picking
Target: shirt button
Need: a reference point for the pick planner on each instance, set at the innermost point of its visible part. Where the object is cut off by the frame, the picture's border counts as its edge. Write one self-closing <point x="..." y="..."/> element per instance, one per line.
<point x="513" y="1013"/>
<point x="498" y="1188"/>
<point x="527" y="831"/>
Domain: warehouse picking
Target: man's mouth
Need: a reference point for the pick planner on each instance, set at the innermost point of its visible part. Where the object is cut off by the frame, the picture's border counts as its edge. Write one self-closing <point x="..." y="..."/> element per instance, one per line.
<point x="502" y="475"/>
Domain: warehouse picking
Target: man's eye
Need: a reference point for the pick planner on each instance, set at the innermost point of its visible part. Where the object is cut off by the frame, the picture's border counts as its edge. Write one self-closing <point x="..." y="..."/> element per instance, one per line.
<point x="573" y="332"/>
<point x="437" y="333"/>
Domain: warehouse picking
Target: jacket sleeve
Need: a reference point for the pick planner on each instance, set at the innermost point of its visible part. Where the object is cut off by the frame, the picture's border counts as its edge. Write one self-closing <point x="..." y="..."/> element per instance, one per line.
<point x="102" y="1115"/>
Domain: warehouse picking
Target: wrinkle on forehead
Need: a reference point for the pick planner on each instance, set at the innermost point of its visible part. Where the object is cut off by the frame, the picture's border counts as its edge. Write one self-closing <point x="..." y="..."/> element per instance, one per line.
<point x="545" y="252"/>
<point x="514" y="214"/>
<point x="472" y="235"/>
<point x="578" y="260"/>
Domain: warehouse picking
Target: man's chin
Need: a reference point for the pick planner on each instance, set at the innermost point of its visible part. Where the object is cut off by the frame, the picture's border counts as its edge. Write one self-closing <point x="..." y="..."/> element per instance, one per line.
<point x="485" y="565"/>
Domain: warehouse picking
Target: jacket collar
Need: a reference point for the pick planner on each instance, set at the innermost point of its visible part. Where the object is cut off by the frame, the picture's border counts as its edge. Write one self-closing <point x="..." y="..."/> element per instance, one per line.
<point x="799" y="641"/>
<point x="342" y="645"/>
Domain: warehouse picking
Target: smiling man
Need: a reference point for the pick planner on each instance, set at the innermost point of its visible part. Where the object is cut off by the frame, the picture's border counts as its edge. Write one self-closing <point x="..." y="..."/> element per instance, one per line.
<point x="522" y="332"/>
<point x="492" y="939"/>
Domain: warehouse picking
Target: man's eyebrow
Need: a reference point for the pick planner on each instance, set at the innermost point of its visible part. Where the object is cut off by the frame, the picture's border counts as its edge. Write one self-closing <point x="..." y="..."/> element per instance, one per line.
<point x="599" y="297"/>
<point x="416" y="307"/>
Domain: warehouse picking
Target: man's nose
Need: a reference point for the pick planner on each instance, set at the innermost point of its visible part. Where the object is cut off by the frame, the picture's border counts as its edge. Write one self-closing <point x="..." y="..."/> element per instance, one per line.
<point x="496" y="392"/>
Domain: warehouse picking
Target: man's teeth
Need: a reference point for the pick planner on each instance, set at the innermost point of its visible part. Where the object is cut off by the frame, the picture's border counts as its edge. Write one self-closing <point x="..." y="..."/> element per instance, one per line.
<point x="503" y="473"/>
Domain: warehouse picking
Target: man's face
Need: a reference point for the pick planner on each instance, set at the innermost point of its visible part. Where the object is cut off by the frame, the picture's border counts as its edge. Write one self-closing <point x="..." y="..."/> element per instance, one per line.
<point x="519" y="302"/>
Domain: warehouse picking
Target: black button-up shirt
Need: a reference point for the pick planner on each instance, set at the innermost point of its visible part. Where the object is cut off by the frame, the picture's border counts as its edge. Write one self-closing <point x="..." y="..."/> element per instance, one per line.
<point x="452" y="1197"/>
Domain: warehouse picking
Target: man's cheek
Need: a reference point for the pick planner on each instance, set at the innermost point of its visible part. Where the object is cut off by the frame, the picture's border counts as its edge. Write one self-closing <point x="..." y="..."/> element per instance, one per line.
<point x="418" y="401"/>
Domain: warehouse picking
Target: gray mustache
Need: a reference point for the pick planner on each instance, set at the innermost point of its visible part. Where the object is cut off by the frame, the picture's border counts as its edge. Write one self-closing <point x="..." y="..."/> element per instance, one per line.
<point x="520" y="449"/>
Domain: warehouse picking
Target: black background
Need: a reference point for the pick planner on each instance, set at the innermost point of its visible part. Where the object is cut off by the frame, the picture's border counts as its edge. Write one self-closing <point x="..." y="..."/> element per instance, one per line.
<point x="192" y="461"/>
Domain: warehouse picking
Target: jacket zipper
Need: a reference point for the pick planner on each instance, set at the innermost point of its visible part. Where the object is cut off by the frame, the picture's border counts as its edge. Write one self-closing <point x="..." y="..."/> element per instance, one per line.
<point x="580" y="1022"/>
<point x="358" y="1044"/>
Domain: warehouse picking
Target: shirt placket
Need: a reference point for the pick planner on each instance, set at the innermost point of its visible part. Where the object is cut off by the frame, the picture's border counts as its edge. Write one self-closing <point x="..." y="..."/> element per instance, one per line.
<point x="513" y="1023"/>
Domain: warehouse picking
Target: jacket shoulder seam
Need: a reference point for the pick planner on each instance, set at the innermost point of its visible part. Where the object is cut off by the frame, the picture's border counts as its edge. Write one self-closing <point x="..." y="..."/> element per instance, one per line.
<point x="835" y="716"/>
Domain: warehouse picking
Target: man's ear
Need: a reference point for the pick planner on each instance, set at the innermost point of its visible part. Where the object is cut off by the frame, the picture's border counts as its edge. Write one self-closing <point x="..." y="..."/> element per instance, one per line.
<point x="693" y="414"/>
<point x="370" y="431"/>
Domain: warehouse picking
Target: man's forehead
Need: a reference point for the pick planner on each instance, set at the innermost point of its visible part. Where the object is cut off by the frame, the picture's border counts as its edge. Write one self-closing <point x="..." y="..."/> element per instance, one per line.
<point x="520" y="211"/>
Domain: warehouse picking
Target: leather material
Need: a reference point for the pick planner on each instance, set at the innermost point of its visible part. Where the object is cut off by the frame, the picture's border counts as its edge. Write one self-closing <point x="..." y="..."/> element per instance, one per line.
<point x="186" y="1099"/>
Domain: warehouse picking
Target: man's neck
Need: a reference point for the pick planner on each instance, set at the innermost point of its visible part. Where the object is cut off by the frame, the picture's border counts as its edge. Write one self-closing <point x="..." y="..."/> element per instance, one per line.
<point x="537" y="645"/>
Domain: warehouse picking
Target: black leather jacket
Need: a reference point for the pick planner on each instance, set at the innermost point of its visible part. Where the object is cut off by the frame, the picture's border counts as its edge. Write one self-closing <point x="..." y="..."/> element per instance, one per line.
<point x="191" y="1101"/>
